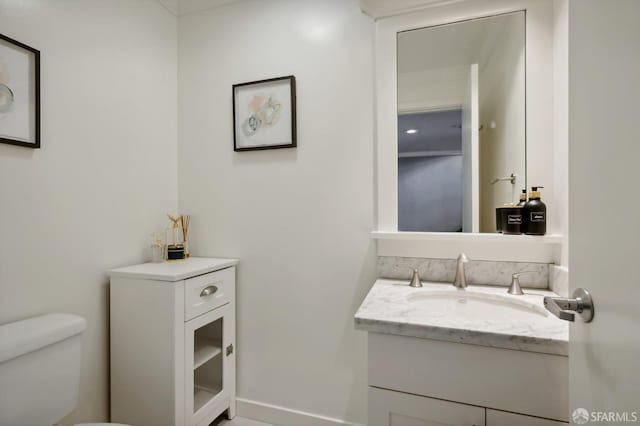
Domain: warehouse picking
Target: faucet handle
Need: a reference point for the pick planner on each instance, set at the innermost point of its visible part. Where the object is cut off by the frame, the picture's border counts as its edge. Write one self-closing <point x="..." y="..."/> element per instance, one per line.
<point x="461" y="280"/>
<point x="415" y="280"/>
<point x="515" y="288"/>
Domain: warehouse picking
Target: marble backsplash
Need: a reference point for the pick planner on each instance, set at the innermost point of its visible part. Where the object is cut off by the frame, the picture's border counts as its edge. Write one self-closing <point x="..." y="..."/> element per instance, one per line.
<point x="477" y="271"/>
<point x="559" y="280"/>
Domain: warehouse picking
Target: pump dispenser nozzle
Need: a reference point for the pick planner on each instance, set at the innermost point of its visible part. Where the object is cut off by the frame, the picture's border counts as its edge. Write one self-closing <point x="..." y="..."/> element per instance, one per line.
<point x="523" y="197"/>
<point x="535" y="194"/>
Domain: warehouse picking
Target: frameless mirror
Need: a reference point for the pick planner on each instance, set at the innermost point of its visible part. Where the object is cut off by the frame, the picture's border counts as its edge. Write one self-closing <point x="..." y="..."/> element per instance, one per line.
<point x="461" y="123"/>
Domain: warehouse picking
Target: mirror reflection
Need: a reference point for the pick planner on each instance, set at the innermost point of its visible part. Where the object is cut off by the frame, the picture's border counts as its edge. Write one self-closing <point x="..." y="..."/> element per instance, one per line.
<point x="461" y="123"/>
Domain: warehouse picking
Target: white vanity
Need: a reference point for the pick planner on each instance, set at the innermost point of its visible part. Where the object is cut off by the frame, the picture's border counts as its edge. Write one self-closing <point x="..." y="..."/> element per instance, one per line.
<point x="479" y="356"/>
<point x="172" y="342"/>
<point x="470" y="110"/>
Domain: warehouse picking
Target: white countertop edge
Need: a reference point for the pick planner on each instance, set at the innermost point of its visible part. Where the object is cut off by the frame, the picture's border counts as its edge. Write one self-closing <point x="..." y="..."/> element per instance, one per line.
<point x="128" y="272"/>
<point x="470" y="337"/>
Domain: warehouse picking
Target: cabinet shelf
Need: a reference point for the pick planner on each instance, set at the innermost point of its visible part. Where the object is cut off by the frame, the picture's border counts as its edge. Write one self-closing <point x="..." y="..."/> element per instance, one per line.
<point x="205" y="349"/>
<point x="202" y="395"/>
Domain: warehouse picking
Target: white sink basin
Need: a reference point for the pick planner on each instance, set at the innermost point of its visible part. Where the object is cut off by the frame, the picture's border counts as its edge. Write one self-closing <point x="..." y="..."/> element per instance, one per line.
<point x="469" y="305"/>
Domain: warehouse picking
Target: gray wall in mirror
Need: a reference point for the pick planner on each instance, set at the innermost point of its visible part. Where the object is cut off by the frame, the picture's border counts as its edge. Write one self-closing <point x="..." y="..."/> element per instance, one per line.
<point x="430" y="172"/>
<point x="438" y="209"/>
<point x="435" y="141"/>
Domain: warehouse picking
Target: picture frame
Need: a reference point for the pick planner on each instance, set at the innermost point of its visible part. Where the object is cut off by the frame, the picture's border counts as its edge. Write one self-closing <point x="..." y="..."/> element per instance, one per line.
<point x="19" y="93"/>
<point x="264" y="114"/>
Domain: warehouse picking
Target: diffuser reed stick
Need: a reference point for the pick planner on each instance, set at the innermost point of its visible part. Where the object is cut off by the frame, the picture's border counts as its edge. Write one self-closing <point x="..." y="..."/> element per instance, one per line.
<point x="184" y="221"/>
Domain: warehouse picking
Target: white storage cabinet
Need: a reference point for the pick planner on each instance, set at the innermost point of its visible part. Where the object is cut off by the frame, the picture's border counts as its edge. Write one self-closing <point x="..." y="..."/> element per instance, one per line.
<point x="173" y="342"/>
<point x="423" y="382"/>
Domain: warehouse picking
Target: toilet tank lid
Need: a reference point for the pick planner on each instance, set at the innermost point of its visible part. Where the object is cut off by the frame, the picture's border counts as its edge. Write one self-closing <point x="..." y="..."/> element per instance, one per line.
<point x="21" y="337"/>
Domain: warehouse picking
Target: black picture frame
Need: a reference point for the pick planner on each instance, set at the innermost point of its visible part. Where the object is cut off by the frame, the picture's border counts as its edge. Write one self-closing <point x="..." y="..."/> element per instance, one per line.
<point x="292" y="83"/>
<point x="36" y="85"/>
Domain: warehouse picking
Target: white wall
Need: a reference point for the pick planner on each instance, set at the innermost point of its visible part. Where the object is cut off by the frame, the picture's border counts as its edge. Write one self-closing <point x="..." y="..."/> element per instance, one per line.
<point x="106" y="173"/>
<point x="560" y="214"/>
<point x="502" y="101"/>
<point x="299" y="219"/>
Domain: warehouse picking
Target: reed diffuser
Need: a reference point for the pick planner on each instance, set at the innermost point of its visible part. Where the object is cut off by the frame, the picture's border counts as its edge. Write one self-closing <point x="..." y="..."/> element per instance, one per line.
<point x="175" y="249"/>
<point x="157" y="247"/>
<point x="184" y="221"/>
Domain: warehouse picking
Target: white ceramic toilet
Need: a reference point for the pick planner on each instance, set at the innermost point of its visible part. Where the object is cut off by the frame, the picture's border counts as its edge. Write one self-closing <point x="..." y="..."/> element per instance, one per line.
<point x="40" y="369"/>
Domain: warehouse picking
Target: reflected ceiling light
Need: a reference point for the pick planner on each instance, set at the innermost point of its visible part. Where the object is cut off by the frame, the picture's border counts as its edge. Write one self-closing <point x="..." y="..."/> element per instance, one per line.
<point x="411" y="131"/>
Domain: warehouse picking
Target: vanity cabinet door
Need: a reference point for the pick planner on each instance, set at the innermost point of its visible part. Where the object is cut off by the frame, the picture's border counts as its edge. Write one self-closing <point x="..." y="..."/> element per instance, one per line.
<point x="390" y="408"/>
<point x="502" y="418"/>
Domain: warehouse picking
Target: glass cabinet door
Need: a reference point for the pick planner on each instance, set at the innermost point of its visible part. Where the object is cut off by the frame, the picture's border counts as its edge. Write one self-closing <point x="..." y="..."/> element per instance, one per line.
<point x="207" y="375"/>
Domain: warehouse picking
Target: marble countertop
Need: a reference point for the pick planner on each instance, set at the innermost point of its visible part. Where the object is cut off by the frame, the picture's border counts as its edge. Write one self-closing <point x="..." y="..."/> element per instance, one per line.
<point x="387" y="309"/>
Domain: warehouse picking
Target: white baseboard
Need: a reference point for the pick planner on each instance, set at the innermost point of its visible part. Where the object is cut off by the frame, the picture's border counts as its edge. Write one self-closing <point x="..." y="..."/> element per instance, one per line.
<point x="282" y="416"/>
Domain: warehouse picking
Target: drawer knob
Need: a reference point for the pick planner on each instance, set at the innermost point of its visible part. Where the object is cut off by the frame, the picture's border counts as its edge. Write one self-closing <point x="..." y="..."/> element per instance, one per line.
<point x="208" y="291"/>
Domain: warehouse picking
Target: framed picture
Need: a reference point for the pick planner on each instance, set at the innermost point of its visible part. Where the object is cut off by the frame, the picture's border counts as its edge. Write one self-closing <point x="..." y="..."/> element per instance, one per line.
<point x="264" y="114"/>
<point x="19" y="93"/>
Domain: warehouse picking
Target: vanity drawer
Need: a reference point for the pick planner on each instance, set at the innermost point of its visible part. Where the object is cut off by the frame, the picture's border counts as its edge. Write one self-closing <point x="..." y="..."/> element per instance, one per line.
<point x="207" y="292"/>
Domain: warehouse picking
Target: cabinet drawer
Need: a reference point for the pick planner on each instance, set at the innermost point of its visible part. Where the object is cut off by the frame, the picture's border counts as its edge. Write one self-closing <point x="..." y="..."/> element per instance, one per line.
<point x="389" y="408"/>
<point x="501" y="418"/>
<point x="208" y="292"/>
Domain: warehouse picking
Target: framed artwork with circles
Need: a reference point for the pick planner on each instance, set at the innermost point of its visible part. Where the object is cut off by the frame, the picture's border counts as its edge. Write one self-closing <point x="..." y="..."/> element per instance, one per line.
<point x="19" y="93"/>
<point x="264" y="114"/>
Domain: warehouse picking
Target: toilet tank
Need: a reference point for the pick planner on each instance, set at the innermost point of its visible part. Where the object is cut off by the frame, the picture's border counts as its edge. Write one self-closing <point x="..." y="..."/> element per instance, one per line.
<point x="40" y="369"/>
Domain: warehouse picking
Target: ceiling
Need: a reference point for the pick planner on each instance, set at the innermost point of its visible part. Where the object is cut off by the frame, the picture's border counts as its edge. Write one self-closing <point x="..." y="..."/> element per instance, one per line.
<point x="373" y="8"/>
<point x="452" y="45"/>
<point x="183" y="7"/>
<point x="381" y="8"/>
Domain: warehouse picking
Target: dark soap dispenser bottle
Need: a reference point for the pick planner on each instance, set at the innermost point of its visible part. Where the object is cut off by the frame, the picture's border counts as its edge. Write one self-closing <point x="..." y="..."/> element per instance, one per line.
<point x="523" y="198"/>
<point x="535" y="213"/>
<point x="521" y="203"/>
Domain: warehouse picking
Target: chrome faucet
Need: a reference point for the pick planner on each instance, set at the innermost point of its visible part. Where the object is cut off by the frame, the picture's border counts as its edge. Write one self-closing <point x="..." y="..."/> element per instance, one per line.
<point x="415" y="279"/>
<point x="461" y="279"/>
